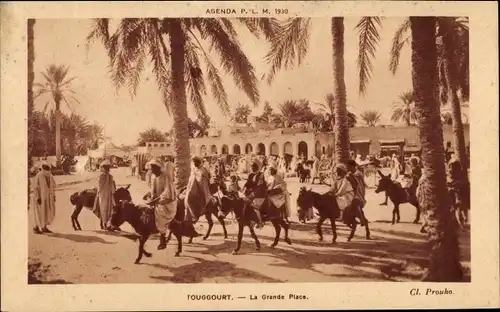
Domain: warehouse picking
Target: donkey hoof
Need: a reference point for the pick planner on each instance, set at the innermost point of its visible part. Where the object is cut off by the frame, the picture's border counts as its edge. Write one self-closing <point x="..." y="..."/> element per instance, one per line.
<point x="288" y="241"/>
<point x="334" y="241"/>
<point x="320" y="239"/>
<point x="349" y="239"/>
<point x="205" y="237"/>
<point x="177" y="254"/>
<point x="148" y="254"/>
<point x="235" y="252"/>
<point x="416" y="221"/>
<point x="272" y="245"/>
<point x="136" y="261"/>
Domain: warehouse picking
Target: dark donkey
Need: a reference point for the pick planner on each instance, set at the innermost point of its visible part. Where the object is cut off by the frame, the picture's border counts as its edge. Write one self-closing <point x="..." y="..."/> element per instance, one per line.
<point x="212" y="209"/>
<point x="327" y="207"/>
<point x="398" y="195"/>
<point x="246" y="217"/>
<point x="142" y="219"/>
<point x="86" y="198"/>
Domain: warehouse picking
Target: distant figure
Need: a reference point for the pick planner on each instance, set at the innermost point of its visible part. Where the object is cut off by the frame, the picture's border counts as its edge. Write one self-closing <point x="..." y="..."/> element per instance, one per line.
<point x="44" y="201"/>
<point x="448" y="151"/>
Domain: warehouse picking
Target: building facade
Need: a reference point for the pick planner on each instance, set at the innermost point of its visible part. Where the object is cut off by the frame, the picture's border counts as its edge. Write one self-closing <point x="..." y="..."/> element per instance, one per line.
<point x="301" y="141"/>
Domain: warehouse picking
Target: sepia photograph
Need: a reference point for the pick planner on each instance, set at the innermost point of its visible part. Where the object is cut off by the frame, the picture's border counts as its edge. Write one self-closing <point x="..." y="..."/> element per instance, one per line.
<point x="250" y="145"/>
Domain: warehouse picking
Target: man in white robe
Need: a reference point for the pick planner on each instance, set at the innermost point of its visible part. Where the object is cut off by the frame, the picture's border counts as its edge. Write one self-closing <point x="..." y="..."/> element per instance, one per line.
<point x="278" y="193"/>
<point x="105" y="190"/>
<point x="162" y="195"/>
<point x="44" y="199"/>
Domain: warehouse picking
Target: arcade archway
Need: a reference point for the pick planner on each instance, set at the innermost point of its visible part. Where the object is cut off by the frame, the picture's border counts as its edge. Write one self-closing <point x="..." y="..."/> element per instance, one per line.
<point x="274" y="149"/>
<point x="236" y="149"/>
<point x="203" y="151"/>
<point x="302" y="149"/>
<point x="261" y="149"/>
<point x="288" y="148"/>
<point x="317" y="149"/>
<point x="248" y="148"/>
<point x="213" y="150"/>
<point x="225" y="149"/>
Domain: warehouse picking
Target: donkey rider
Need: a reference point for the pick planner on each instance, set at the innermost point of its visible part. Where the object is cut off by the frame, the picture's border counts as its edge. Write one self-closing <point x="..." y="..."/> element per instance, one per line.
<point x="255" y="190"/>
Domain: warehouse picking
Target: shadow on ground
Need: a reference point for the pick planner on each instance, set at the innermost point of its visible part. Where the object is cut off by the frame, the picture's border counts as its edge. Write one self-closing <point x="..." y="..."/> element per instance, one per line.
<point x="80" y="238"/>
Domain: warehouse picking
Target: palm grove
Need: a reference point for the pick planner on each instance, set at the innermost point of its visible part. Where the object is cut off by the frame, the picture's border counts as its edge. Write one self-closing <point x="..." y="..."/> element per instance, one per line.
<point x="439" y="56"/>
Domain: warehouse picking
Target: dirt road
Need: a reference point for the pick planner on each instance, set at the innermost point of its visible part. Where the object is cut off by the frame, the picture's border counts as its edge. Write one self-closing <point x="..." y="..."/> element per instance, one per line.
<point x="395" y="253"/>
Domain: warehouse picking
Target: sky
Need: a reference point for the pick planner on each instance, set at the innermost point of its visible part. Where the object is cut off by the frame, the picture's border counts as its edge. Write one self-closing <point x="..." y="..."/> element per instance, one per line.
<point x="63" y="41"/>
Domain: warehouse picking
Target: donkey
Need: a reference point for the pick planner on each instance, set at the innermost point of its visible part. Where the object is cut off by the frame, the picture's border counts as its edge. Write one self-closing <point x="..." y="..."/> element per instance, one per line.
<point x="327" y="207"/>
<point x="86" y="198"/>
<point x="246" y="217"/>
<point x="398" y="195"/>
<point x="142" y="219"/>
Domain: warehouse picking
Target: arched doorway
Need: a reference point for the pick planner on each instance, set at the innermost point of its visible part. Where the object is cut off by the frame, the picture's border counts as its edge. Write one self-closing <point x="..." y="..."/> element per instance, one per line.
<point x="261" y="149"/>
<point x="225" y="150"/>
<point x="323" y="149"/>
<point x="288" y="148"/>
<point x="248" y="148"/>
<point x="193" y="150"/>
<point x="236" y="149"/>
<point x="274" y="149"/>
<point x="317" y="149"/>
<point x="213" y="150"/>
<point x="302" y="149"/>
<point x="203" y="151"/>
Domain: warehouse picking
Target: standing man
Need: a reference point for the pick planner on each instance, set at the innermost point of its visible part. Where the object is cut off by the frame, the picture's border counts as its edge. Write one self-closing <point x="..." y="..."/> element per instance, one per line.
<point x="105" y="190"/>
<point x="358" y="184"/>
<point x="44" y="195"/>
<point x="197" y="192"/>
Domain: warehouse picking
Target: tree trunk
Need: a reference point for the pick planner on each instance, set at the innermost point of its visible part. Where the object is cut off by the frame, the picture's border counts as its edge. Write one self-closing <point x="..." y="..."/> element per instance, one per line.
<point x="444" y="265"/>
<point x="341" y="127"/>
<point x="450" y="65"/>
<point x="31" y="78"/>
<point x="179" y="106"/>
<point x="58" y="134"/>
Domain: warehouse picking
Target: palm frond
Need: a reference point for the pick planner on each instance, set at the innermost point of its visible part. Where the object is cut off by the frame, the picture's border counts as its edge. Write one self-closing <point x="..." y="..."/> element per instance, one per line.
<point x="99" y="31"/>
<point x="195" y="83"/>
<point x="233" y="60"/>
<point x="216" y="85"/>
<point x="369" y="37"/>
<point x="398" y="43"/>
<point x="290" y="41"/>
<point x="258" y="26"/>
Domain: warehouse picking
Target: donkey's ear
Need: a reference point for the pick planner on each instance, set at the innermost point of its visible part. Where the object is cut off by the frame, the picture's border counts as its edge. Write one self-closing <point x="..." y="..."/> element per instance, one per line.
<point x="381" y="174"/>
<point x="126" y="187"/>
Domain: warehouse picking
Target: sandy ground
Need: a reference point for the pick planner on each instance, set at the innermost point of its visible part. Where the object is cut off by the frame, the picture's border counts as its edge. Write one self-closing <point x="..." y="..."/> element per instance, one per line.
<point x="395" y="252"/>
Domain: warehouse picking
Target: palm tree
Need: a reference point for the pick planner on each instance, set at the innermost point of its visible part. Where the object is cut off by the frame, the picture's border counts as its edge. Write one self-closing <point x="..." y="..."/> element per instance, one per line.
<point x="296" y="112"/>
<point x="404" y="109"/>
<point x="75" y="130"/>
<point x="31" y="78"/>
<point x="57" y="84"/>
<point x="370" y="117"/>
<point x="444" y="263"/>
<point x="176" y="51"/>
<point x="328" y="109"/>
<point x="291" y="42"/>
<point x="453" y="35"/>
<point x="453" y="66"/>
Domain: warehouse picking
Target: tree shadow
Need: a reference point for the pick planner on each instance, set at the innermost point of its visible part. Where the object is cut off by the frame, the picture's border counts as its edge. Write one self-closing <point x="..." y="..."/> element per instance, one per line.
<point x="80" y="238"/>
<point x="36" y="269"/>
<point x="197" y="272"/>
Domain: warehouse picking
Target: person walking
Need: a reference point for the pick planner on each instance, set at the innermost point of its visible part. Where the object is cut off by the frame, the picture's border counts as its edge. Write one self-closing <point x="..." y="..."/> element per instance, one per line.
<point x="44" y="199"/>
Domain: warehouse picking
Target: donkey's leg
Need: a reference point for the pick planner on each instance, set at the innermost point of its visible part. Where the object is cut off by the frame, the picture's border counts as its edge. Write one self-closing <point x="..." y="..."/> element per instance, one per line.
<point x="394" y="214"/>
<point x="221" y="221"/>
<point x="208" y="216"/>
<point x="318" y="227"/>
<point x="417" y="213"/>
<point x="74" y="217"/>
<point x="178" y="236"/>
<point x="367" y="229"/>
<point x="141" y="248"/>
<point x="169" y="236"/>
<point x="353" y="230"/>
<point x="277" y="229"/>
<point x="398" y="215"/>
<point x="334" y="230"/>
<point x="254" y="236"/>
<point x="285" y="227"/>
<point x="240" y="237"/>
<point x="144" y="252"/>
